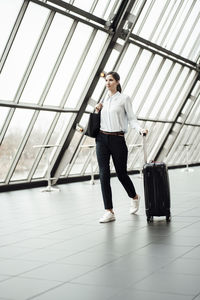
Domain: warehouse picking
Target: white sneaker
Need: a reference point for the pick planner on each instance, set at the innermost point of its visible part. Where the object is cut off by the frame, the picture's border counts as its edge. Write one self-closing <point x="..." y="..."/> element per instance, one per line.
<point x="107" y="217"/>
<point x="135" y="203"/>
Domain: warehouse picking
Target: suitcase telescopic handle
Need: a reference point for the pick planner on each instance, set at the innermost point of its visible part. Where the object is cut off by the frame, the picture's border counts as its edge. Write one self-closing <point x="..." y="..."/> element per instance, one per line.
<point x="144" y="147"/>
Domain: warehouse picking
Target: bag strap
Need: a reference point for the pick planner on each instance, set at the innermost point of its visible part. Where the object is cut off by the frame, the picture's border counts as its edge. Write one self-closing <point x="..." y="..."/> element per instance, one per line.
<point x="144" y="147"/>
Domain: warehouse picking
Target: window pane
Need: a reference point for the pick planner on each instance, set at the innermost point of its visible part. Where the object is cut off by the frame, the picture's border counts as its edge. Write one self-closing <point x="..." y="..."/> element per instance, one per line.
<point x="161" y="89"/>
<point x="139" y="79"/>
<point x="71" y="150"/>
<point x="86" y="70"/>
<point x="106" y="9"/>
<point x="85" y="5"/>
<point x="46" y="59"/>
<point x="173" y="25"/>
<point x="127" y="65"/>
<point x="3" y="114"/>
<point x="181" y="90"/>
<point x="22" y="50"/>
<point x="69" y="64"/>
<point x="8" y="13"/>
<point x="12" y="139"/>
<point x="37" y="137"/>
<point x="194" y="117"/>
<point x="178" y="154"/>
<point x="55" y="139"/>
<point x="100" y="8"/>
<point x="86" y="155"/>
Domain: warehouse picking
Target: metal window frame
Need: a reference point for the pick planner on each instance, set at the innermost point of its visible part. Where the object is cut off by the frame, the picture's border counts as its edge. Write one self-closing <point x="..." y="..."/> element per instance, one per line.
<point x="68" y="90"/>
<point x="114" y="31"/>
<point x="188" y="35"/>
<point x="146" y="16"/>
<point x="182" y="27"/>
<point x="171" y="22"/>
<point x="162" y="153"/>
<point x="20" y="90"/>
<point x="69" y="7"/>
<point x="13" y="34"/>
<point x="117" y="26"/>
<point x="167" y="3"/>
<point x="154" y="48"/>
<point x="150" y="87"/>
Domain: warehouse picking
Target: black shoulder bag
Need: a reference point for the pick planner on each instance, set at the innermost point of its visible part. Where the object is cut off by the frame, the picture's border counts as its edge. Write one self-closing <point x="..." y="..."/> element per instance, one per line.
<point x="93" y="126"/>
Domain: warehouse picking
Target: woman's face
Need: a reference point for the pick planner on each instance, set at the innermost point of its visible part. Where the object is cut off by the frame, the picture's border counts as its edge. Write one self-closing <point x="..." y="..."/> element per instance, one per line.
<point x="111" y="84"/>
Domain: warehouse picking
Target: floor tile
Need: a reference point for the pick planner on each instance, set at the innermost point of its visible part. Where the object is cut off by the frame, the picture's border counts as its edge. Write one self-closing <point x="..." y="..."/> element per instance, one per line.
<point x="142" y="295"/>
<point x="171" y="283"/>
<point x="90" y="258"/>
<point x="12" y="251"/>
<point x="197" y="297"/>
<point x="177" y="240"/>
<point x="136" y="262"/>
<point x="23" y="288"/>
<point x="43" y="255"/>
<point x="36" y="243"/>
<point x="194" y="253"/>
<point x="163" y="250"/>
<point x="16" y="266"/>
<point x="78" y="292"/>
<point x="183" y="266"/>
<point x="109" y="276"/>
<point x="2" y="277"/>
<point x="58" y="272"/>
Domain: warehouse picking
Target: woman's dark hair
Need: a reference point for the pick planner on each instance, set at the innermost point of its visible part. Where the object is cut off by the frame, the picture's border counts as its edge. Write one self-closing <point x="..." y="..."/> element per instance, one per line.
<point x="116" y="76"/>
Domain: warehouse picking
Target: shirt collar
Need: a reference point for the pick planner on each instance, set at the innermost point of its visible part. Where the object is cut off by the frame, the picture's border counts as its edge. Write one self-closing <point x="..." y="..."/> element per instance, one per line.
<point x="113" y="96"/>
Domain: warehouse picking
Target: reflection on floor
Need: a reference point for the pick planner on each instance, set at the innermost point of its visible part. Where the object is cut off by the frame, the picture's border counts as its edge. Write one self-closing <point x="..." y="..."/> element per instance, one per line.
<point x="53" y="248"/>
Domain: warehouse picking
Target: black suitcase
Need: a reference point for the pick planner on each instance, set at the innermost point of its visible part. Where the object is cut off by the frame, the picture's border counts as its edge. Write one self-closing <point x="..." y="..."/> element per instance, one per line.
<point x="156" y="189"/>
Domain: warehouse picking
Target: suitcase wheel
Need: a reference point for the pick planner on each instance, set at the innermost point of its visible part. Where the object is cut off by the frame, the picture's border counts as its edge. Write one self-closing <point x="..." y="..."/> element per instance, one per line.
<point x="150" y="219"/>
<point x="168" y="219"/>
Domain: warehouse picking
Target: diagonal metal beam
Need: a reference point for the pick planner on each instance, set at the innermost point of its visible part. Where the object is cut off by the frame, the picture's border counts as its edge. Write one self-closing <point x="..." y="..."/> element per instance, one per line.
<point x="116" y="26"/>
<point x="76" y="10"/>
<point x="162" y="50"/>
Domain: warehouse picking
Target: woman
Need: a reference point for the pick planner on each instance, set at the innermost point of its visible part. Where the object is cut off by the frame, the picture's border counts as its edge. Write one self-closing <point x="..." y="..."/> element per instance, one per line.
<point x="116" y="114"/>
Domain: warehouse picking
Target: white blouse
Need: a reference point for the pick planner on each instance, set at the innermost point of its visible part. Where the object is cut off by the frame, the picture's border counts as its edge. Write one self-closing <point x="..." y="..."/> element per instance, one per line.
<point x="117" y="113"/>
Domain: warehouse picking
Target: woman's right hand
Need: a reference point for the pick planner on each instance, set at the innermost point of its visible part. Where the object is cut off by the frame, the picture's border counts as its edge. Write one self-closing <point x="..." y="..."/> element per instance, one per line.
<point x="143" y="131"/>
<point x="98" y="107"/>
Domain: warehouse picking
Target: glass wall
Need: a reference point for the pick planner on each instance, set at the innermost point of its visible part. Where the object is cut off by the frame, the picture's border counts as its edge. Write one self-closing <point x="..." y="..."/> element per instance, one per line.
<point x="51" y="58"/>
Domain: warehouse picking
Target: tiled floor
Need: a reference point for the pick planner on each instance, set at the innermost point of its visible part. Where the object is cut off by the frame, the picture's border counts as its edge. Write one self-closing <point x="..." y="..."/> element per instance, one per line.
<point x="53" y="248"/>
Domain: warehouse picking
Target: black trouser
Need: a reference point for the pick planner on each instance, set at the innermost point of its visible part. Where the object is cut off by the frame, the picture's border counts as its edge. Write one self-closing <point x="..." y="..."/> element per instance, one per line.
<point x="115" y="146"/>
